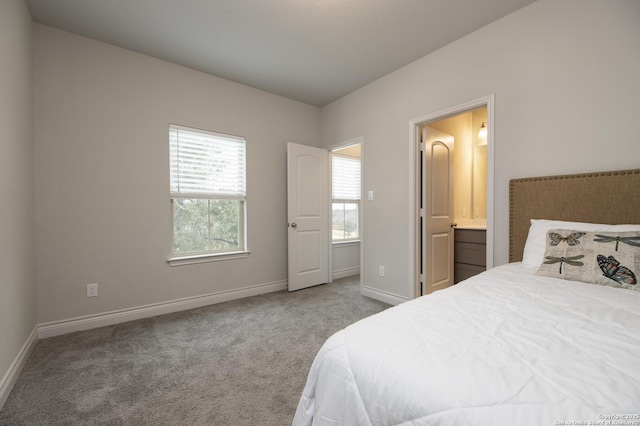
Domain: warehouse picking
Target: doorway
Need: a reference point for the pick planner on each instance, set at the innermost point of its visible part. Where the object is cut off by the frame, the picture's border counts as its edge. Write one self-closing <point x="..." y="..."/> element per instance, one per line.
<point x="465" y="197"/>
<point x="346" y="208"/>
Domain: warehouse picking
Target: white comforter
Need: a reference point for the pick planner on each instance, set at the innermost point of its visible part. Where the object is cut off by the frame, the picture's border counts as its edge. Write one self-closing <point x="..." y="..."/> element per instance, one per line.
<point x="503" y="348"/>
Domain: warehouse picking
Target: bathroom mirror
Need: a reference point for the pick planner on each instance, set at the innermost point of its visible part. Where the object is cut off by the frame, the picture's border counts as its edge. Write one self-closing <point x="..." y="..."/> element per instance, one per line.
<point x="479" y="182"/>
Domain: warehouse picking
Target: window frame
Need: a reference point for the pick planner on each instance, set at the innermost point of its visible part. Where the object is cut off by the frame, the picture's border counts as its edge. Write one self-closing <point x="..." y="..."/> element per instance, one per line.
<point x="186" y="258"/>
<point x="346" y="200"/>
<point x="345" y="240"/>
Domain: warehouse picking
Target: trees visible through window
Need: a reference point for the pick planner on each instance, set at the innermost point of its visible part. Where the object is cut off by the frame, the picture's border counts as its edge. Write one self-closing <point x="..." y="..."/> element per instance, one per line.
<point x="346" y="197"/>
<point x="208" y="190"/>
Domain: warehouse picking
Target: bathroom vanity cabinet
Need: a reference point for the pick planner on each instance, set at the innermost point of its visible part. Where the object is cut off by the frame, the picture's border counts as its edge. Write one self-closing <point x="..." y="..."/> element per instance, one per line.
<point x="470" y="253"/>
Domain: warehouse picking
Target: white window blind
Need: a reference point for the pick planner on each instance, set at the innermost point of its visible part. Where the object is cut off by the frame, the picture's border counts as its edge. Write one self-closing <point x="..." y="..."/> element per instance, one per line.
<point x="346" y="178"/>
<point x="206" y="164"/>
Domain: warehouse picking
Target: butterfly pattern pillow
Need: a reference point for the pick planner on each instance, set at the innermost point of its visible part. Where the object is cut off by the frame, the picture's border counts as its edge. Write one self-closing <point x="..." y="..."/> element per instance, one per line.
<point x="605" y="258"/>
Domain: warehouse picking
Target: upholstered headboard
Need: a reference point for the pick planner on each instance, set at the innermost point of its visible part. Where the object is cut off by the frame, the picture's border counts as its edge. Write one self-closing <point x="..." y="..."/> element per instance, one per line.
<point x="604" y="197"/>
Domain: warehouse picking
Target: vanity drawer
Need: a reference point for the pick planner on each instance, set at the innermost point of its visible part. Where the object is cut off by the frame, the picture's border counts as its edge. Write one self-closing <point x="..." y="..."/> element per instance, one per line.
<point x="471" y="253"/>
<point x="471" y="236"/>
<point x="463" y="271"/>
<point x="470" y="250"/>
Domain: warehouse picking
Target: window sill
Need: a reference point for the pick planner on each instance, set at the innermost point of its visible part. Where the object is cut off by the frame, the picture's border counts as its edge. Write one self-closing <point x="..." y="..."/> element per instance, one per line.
<point x="346" y="243"/>
<point x="204" y="258"/>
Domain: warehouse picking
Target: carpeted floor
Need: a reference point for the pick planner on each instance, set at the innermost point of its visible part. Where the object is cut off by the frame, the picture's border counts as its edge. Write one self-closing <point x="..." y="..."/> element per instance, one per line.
<point x="243" y="362"/>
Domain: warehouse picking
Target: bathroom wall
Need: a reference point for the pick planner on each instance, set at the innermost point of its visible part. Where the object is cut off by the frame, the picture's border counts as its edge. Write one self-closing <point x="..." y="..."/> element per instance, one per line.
<point x="479" y="169"/>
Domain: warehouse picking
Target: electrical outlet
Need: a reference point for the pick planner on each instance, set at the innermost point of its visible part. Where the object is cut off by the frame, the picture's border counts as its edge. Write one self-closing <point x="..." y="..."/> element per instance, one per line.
<point x="92" y="290"/>
<point x="381" y="270"/>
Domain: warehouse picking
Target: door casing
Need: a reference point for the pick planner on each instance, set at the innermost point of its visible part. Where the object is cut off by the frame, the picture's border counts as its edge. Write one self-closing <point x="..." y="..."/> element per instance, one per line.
<point x="414" y="175"/>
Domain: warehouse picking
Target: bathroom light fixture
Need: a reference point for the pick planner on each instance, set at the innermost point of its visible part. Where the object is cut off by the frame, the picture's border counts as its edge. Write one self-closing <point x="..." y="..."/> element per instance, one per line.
<point x="482" y="133"/>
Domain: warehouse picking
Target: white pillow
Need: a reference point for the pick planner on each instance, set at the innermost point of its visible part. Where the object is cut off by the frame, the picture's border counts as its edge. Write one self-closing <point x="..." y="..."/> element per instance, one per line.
<point x="534" y="247"/>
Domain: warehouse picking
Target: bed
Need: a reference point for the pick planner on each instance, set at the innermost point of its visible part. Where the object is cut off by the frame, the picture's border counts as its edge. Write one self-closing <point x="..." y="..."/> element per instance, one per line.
<point x="519" y="344"/>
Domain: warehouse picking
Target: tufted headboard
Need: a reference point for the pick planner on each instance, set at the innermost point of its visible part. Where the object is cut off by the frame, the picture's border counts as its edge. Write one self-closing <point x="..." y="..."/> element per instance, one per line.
<point x="602" y="197"/>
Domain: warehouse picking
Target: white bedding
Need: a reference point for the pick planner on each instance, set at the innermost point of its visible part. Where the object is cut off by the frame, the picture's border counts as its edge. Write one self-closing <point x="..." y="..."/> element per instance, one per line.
<point x="503" y="348"/>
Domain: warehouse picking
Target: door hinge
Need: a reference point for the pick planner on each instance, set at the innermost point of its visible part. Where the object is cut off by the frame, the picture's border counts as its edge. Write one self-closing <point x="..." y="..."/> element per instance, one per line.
<point x="422" y="146"/>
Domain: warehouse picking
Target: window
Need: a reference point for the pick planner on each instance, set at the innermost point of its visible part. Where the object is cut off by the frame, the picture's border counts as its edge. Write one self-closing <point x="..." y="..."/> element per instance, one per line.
<point x="346" y="197"/>
<point x="208" y="190"/>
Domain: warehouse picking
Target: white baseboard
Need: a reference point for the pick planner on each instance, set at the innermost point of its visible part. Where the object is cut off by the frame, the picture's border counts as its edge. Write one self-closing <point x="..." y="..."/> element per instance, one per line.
<point x="382" y="296"/>
<point x="9" y="379"/>
<point x="347" y="272"/>
<point x="57" y="328"/>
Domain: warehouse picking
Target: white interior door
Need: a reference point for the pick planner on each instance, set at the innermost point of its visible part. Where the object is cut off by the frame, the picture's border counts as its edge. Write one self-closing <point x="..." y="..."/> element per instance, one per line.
<point x="307" y="212"/>
<point x="437" y="212"/>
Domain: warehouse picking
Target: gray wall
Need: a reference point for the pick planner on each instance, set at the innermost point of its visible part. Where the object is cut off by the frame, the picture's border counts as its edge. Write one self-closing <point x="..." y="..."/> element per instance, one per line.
<point x="564" y="75"/>
<point x="101" y="120"/>
<point x="345" y="260"/>
<point x="17" y="249"/>
<point x="567" y="100"/>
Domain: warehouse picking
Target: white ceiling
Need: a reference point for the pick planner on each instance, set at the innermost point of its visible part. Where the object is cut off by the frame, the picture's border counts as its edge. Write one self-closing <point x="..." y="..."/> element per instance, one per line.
<point x="313" y="51"/>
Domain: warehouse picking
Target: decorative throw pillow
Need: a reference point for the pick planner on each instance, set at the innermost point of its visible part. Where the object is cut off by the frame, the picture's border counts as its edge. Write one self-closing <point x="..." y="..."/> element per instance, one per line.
<point x="534" y="247"/>
<point x="605" y="258"/>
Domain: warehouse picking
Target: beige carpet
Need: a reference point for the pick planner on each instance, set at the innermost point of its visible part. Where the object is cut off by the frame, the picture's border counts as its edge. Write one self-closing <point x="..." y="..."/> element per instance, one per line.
<point x="237" y="363"/>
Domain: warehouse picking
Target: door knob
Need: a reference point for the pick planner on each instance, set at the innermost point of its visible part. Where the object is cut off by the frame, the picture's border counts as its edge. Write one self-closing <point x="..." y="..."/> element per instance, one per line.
<point x="453" y="224"/>
<point x="294" y="225"/>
